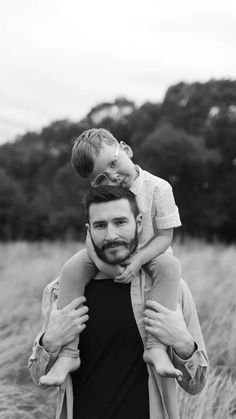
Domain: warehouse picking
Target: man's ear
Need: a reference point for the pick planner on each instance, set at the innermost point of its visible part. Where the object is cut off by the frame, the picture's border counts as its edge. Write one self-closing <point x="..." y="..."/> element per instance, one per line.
<point x="139" y="222"/>
<point x="128" y="150"/>
<point x="87" y="227"/>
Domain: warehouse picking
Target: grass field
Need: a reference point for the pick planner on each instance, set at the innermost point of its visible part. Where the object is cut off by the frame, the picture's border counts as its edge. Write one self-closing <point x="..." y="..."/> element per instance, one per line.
<point x="210" y="271"/>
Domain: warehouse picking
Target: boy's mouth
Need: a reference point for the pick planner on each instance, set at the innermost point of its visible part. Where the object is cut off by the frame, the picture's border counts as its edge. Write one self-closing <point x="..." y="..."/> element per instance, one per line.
<point x="122" y="183"/>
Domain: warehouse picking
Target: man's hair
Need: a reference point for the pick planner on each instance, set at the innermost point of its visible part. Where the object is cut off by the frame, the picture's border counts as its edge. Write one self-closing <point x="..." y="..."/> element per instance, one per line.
<point x="103" y="194"/>
<point x="88" y="144"/>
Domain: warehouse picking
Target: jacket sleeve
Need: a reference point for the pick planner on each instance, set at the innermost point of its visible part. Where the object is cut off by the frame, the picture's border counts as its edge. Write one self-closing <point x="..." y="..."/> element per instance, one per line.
<point x="194" y="369"/>
<point x="40" y="361"/>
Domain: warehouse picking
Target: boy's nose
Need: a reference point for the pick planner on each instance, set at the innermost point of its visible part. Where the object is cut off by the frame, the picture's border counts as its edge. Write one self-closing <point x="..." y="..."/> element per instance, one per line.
<point x="113" y="177"/>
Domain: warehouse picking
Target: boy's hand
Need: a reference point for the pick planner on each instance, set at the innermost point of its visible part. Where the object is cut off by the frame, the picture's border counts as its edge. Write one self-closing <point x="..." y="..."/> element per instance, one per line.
<point x="132" y="267"/>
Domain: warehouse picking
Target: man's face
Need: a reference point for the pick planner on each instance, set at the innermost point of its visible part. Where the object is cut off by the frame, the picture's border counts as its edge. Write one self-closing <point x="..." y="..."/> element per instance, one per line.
<point x="113" y="230"/>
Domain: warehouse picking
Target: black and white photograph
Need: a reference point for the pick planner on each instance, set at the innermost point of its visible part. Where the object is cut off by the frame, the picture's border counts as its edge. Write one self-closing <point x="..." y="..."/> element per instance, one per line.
<point x="117" y="209"/>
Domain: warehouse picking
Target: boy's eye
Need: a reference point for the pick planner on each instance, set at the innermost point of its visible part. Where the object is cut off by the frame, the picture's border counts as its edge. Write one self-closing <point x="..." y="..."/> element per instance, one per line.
<point x="113" y="164"/>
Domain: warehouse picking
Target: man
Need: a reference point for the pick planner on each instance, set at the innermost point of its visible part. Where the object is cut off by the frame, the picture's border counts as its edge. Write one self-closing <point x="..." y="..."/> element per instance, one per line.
<point x="113" y="381"/>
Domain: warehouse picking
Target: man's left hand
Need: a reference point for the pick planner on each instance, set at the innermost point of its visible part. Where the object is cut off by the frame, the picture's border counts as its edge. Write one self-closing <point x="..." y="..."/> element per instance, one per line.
<point x="169" y="327"/>
<point x="132" y="267"/>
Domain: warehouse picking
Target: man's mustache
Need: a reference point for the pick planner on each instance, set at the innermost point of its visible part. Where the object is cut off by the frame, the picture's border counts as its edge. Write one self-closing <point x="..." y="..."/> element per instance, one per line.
<point x="113" y="243"/>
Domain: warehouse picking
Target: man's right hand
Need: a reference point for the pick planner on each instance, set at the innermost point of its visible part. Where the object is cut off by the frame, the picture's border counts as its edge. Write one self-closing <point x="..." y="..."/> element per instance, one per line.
<point x="64" y="325"/>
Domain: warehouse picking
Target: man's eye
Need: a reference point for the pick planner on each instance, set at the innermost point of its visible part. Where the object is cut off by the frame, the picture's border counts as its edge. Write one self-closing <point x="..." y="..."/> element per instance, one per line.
<point x="121" y="222"/>
<point x="98" y="226"/>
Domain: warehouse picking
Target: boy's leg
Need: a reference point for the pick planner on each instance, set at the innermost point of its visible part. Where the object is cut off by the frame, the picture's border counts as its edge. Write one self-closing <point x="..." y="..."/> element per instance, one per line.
<point x="165" y="272"/>
<point x="74" y="276"/>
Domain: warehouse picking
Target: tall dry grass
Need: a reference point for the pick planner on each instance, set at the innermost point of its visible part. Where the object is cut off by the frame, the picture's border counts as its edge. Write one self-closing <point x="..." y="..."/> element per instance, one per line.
<point x="210" y="271"/>
<point x="25" y="270"/>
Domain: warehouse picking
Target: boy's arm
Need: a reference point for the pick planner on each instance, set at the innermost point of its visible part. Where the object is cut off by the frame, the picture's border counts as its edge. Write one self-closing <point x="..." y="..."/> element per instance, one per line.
<point x="166" y="219"/>
<point x="155" y="247"/>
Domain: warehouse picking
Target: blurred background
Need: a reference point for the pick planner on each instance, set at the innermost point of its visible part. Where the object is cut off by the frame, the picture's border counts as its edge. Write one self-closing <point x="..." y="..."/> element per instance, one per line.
<point x="159" y="76"/>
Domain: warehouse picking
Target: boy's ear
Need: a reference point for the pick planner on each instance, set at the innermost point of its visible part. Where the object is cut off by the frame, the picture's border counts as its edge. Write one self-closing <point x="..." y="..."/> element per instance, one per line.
<point x="139" y="222"/>
<point x="128" y="150"/>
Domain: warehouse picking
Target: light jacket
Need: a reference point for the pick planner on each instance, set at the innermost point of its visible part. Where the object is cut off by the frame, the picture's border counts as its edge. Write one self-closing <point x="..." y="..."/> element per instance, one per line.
<point x="162" y="391"/>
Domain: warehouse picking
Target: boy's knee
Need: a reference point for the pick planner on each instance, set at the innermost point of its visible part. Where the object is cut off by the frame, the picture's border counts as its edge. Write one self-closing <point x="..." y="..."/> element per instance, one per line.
<point x="167" y="266"/>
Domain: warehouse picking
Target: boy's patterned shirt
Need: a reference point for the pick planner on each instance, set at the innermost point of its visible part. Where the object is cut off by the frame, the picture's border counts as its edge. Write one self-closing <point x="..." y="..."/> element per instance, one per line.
<point x="156" y="203"/>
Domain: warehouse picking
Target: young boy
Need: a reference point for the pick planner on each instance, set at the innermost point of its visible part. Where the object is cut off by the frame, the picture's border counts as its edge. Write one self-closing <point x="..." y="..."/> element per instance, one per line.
<point x="98" y="156"/>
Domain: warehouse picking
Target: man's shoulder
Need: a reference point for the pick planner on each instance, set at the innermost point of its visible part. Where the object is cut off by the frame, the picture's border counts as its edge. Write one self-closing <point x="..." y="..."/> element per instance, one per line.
<point x="185" y="297"/>
<point x="50" y="294"/>
<point x="51" y="288"/>
<point x="53" y="284"/>
<point x="183" y="287"/>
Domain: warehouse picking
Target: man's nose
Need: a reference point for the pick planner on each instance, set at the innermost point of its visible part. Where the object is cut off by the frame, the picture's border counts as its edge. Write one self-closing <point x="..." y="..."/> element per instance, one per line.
<point x="111" y="232"/>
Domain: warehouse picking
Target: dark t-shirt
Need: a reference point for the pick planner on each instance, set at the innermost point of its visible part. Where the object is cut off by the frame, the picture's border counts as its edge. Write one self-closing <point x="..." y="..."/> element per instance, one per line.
<point x="112" y="381"/>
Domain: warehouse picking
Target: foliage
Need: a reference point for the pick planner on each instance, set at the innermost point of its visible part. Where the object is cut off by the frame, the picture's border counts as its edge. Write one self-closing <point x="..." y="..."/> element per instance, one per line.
<point x="189" y="139"/>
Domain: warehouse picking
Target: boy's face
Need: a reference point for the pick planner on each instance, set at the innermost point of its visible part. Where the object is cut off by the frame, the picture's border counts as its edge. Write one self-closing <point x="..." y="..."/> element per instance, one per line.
<point x="113" y="161"/>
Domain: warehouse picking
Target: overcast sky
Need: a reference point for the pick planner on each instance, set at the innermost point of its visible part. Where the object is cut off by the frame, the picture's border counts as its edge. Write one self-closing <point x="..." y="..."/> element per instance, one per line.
<point x="60" y="58"/>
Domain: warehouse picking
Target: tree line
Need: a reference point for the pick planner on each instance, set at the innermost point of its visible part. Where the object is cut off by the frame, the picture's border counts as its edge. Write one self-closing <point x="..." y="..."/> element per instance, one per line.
<point x="189" y="139"/>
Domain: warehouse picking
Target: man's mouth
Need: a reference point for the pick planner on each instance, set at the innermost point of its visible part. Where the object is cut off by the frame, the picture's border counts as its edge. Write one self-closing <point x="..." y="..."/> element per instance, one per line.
<point x="113" y="245"/>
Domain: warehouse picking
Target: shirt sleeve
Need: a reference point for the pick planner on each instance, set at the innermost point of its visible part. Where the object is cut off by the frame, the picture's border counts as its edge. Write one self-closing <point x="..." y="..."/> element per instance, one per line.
<point x="194" y="369"/>
<point x="166" y="210"/>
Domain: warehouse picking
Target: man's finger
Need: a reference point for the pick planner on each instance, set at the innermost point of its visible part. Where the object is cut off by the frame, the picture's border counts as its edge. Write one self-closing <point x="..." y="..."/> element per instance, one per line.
<point x="82" y="311"/>
<point x="76" y="303"/>
<point x="83" y="320"/>
<point x="150" y="329"/>
<point x="157" y="306"/>
<point x="151" y="314"/>
<point x="82" y="327"/>
<point x="148" y="321"/>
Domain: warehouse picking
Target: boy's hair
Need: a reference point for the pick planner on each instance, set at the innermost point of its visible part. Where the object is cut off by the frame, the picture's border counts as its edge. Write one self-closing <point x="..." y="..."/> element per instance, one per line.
<point x="103" y="194"/>
<point x="86" y="145"/>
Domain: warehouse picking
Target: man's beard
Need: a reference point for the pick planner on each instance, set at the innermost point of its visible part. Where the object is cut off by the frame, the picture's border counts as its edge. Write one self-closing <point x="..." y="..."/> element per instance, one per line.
<point x="131" y="246"/>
